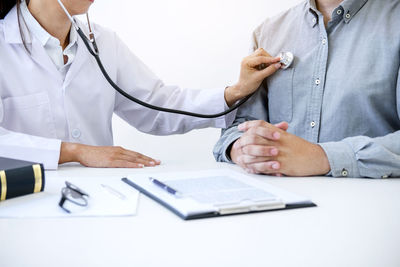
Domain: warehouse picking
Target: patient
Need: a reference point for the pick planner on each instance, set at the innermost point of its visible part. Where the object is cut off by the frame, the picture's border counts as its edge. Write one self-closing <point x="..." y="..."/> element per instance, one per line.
<point x="340" y="97"/>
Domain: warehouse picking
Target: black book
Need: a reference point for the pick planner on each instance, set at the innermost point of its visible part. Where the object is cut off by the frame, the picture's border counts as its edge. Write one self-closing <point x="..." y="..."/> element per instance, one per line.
<point x="19" y="178"/>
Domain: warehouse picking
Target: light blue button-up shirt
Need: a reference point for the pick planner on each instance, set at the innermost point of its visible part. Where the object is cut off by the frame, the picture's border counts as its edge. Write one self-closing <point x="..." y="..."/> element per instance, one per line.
<point x="343" y="89"/>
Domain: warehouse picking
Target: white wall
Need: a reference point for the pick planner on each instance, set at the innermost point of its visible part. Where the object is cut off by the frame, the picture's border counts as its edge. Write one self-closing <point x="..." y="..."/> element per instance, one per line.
<point x="194" y="44"/>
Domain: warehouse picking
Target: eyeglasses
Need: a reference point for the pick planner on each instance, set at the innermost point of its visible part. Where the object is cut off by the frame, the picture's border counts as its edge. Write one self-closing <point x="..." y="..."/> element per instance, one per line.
<point x="73" y="194"/>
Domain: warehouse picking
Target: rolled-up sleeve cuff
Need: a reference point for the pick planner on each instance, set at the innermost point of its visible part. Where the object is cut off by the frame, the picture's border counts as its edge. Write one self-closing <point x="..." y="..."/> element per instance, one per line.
<point x="342" y="159"/>
<point x="225" y="157"/>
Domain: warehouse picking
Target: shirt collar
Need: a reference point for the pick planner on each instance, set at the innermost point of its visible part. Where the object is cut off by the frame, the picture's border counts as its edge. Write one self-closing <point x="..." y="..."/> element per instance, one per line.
<point x="312" y="13"/>
<point x="41" y="34"/>
<point x="349" y="9"/>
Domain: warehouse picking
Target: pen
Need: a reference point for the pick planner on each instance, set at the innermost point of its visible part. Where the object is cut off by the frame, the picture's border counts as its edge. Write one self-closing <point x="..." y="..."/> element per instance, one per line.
<point x="165" y="187"/>
<point x="114" y="192"/>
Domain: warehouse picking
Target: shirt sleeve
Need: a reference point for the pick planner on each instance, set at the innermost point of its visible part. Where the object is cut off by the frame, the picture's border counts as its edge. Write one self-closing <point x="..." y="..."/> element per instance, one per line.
<point x="135" y="77"/>
<point x="363" y="156"/>
<point x="28" y="147"/>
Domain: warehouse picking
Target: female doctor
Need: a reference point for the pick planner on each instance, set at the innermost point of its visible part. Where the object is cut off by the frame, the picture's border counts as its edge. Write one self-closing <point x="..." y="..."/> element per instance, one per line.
<point x="56" y="106"/>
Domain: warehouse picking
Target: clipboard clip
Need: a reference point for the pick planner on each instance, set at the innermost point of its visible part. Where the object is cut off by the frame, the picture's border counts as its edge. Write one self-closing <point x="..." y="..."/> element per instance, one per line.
<point x="250" y="207"/>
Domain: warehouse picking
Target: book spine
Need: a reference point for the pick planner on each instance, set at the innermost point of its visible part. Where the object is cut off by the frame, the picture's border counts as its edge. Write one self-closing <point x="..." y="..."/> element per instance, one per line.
<point x="3" y="185"/>
<point x="21" y="181"/>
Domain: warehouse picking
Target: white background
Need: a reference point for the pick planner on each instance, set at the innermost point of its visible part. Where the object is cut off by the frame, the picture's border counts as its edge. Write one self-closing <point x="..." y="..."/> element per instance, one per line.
<point x="193" y="44"/>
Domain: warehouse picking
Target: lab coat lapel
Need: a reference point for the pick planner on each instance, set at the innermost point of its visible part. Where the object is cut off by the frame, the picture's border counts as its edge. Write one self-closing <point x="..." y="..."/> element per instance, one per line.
<point x="39" y="55"/>
<point x="37" y="52"/>
<point x="12" y="34"/>
<point x="79" y="60"/>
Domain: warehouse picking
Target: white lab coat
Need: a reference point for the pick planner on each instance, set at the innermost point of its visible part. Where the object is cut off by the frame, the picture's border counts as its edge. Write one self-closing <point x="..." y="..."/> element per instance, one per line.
<point x="39" y="108"/>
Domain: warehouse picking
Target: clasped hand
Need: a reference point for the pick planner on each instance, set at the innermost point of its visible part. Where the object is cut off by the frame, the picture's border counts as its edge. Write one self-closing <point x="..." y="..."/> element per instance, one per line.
<point x="269" y="149"/>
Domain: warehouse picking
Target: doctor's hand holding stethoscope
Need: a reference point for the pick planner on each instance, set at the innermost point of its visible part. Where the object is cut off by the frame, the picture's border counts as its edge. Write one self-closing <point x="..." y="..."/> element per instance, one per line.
<point x="51" y="112"/>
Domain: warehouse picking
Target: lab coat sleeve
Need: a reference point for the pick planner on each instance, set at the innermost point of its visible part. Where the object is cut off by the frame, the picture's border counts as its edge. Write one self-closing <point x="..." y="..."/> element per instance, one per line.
<point x="27" y="147"/>
<point x="362" y="156"/>
<point x="137" y="79"/>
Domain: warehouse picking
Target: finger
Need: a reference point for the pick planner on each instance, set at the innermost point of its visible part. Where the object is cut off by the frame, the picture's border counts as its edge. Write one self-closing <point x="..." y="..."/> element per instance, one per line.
<point x="269" y="132"/>
<point x="282" y="125"/>
<point x="139" y="160"/>
<point x="260" y="151"/>
<point x="261" y="128"/>
<point x="261" y="52"/>
<point x="250" y="139"/>
<point x="268" y="71"/>
<point x="256" y="61"/>
<point x="247" y="159"/>
<point x="135" y="155"/>
<point x="265" y="167"/>
<point x="240" y="162"/>
<point x="125" y="164"/>
<point x="249" y="124"/>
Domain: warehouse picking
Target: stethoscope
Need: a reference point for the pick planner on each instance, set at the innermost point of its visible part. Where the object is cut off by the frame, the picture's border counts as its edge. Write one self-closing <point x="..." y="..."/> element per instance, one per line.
<point x="90" y="43"/>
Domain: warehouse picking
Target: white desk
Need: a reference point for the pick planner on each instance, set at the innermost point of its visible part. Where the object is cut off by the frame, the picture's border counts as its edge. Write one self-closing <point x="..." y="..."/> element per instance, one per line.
<point x="356" y="223"/>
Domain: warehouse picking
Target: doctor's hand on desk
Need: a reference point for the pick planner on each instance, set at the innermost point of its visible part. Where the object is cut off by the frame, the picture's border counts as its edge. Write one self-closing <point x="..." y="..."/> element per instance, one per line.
<point x="251" y="76"/>
<point x="104" y="156"/>
<point x="268" y="149"/>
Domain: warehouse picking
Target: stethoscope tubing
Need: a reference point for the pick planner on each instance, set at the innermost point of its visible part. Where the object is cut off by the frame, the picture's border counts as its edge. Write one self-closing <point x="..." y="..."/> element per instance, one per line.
<point x="95" y="54"/>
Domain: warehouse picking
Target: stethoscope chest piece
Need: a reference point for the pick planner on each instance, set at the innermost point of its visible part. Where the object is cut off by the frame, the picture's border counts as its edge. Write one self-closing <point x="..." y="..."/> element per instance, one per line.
<point x="286" y="59"/>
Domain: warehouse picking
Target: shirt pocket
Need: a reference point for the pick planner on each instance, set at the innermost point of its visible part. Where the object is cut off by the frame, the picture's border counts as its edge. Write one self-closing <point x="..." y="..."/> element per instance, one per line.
<point x="280" y="96"/>
<point x="29" y="114"/>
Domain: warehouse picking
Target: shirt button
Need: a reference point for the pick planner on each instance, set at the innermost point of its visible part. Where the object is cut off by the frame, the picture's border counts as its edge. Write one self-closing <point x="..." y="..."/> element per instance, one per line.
<point x="385" y="176"/>
<point x="339" y="12"/>
<point x="312" y="124"/>
<point x="348" y="16"/>
<point x="324" y="41"/>
<point x="345" y="173"/>
<point x="317" y="81"/>
<point x="76" y="133"/>
<point x="314" y="20"/>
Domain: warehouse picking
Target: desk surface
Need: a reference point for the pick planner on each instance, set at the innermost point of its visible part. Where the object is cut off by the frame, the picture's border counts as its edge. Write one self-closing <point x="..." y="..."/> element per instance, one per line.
<point x="356" y="223"/>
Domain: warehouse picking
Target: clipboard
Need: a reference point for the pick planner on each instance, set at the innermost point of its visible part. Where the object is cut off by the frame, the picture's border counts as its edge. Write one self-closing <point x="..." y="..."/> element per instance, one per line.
<point x="191" y="206"/>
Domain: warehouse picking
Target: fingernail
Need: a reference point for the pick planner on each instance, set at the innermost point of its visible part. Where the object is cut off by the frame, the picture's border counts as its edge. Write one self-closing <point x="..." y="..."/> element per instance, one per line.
<point x="152" y="163"/>
<point x="276" y="135"/>
<point x="275" y="166"/>
<point x="277" y="65"/>
<point x="274" y="152"/>
<point x="158" y="161"/>
<point x="141" y="166"/>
